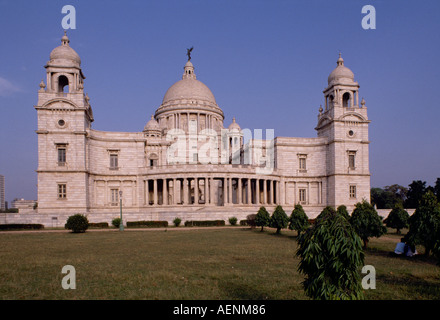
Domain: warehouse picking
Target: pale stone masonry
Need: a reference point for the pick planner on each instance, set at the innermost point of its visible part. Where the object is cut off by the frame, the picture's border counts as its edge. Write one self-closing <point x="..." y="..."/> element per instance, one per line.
<point x="185" y="163"/>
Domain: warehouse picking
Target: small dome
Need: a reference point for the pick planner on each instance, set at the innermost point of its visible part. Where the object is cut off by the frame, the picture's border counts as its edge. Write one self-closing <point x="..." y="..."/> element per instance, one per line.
<point x="341" y="72"/>
<point x="234" y="126"/>
<point x="64" y="52"/>
<point x="152" y="125"/>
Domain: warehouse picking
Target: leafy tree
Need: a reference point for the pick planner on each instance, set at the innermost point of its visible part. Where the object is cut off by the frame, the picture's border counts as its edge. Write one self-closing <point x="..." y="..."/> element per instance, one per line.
<point x="262" y="219"/>
<point x="331" y="255"/>
<point x="78" y="223"/>
<point x="437" y="189"/>
<point x="398" y="218"/>
<point x="327" y="210"/>
<point x="424" y="224"/>
<point x="398" y="192"/>
<point x="388" y="197"/>
<point x="415" y="193"/>
<point x="366" y="222"/>
<point x="279" y="219"/>
<point x="342" y="210"/>
<point x="298" y="220"/>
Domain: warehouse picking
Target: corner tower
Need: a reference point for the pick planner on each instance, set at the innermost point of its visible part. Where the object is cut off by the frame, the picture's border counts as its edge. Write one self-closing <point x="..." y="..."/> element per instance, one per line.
<point x="345" y="125"/>
<point x="64" y="117"/>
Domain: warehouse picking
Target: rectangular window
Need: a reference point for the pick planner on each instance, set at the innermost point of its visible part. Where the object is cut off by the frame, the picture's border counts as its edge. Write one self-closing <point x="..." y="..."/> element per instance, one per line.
<point x="62" y="191"/>
<point x="302" y="164"/>
<point x="114" y="193"/>
<point x="302" y="161"/>
<point x="352" y="159"/>
<point x="113" y="161"/>
<point x="352" y="192"/>
<point x="61" y="156"/>
<point x="302" y="196"/>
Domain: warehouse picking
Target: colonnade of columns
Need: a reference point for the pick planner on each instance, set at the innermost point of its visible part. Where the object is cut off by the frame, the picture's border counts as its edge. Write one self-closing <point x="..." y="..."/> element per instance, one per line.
<point x="216" y="191"/>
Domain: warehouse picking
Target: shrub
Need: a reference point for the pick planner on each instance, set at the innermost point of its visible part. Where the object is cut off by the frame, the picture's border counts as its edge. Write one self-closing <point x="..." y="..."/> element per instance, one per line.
<point x="78" y="223"/>
<point x="366" y="222"/>
<point x="298" y="220"/>
<point x="204" y="223"/>
<point x="116" y="222"/>
<point x="279" y="219"/>
<point x="398" y="218"/>
<point x="177" y="222"/>
<point x="250" y="219"/>
<point x="98" y="225"/>
<point x="243" y="223"/>
<point x="233" y="221"/>
<point x="262" y="219"/>
<point x="147" y="224"/>
<point x="331" y="255"/>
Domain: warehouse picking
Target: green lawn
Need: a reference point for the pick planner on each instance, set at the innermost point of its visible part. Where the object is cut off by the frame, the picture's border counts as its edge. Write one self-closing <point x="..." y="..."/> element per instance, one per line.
<point x="210" y="263"/>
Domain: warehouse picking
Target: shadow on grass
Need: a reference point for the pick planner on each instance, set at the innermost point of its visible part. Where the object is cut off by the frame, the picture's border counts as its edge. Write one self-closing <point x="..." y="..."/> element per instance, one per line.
<point x="242" y="291"/>
<point x="425" y="289"/>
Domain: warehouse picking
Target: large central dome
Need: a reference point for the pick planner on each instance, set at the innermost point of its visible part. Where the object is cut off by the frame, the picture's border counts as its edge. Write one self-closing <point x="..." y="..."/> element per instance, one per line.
<point x="189" y="88"/>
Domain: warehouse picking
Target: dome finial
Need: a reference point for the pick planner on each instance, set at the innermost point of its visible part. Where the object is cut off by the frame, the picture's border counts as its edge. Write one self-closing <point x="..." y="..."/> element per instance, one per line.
<point x="65" y="40"/>
<point x="340" y="61"/>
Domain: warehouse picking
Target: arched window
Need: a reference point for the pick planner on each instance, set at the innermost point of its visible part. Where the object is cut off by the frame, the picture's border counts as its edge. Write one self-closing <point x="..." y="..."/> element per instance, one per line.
<point x="346" y="100"/>
<point x="63" y="84"/>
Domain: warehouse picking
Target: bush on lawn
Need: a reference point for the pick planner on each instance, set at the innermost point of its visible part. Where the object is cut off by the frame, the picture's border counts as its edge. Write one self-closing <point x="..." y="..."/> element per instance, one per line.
<point x="78" y="223"/>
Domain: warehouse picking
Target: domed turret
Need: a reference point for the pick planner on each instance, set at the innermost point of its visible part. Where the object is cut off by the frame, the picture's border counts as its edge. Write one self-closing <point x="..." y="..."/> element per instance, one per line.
<point x="152" y="128"/>
<point x="234" y="126"/>
<point x="64" y="54"/>
<point x="341" y="73"/>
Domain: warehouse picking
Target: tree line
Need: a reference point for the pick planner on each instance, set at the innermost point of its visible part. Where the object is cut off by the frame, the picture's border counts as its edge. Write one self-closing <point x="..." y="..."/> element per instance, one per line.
<point x="389" y="196"/>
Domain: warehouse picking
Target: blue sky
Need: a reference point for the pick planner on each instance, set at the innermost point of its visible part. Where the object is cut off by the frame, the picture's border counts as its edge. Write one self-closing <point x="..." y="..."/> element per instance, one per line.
<point x="266" y="61"/>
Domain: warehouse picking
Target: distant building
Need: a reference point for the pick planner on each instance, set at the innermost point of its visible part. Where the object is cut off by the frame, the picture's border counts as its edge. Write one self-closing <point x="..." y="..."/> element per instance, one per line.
<point x="23" y="204"/>
<point x="2" y="193"/>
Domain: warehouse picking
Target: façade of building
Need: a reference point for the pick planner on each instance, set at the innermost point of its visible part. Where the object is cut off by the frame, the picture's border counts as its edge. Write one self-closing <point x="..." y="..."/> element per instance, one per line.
<point x="185" y="163"/>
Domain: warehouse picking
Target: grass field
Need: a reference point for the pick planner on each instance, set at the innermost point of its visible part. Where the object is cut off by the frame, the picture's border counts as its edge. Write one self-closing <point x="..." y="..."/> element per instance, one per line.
<point x="208" y="264"/>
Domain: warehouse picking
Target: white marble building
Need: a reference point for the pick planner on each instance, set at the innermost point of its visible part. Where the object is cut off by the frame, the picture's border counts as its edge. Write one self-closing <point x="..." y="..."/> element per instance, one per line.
<point x="186" y="163"/>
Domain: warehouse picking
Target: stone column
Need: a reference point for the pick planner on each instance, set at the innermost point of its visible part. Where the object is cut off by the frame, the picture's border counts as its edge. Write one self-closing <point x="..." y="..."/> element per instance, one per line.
<point x="264" y="191"/>
<point x="196" y="191"/>
<point x="230" y="191"/>
<point x="257" y="191"/>
<point x="185" y="191"/>
<point x="165" y="192"/>
<point x="155" y="192"/>
<point x="248" y="191"/>
<point x="211" y="191"/>
<point x="240" y="191"/>
<point x="174" y="191"/>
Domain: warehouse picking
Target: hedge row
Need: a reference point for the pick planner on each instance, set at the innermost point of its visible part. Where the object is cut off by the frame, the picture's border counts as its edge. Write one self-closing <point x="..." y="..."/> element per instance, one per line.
<point x="98" y="225"/>
<point x="205" y="223"/>
<point x="27" y="226"/>
<point x="147" y="224"/>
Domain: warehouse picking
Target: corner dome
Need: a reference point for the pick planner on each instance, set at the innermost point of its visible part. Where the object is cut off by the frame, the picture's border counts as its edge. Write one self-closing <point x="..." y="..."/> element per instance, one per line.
<point x="234" y="126"/>
<point x="341" y="73"/>
<point x="152" y="125"/>
<point x="64" y="53"/>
